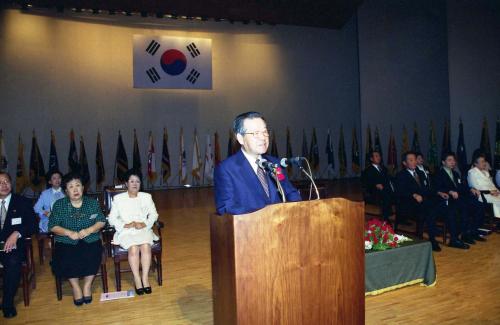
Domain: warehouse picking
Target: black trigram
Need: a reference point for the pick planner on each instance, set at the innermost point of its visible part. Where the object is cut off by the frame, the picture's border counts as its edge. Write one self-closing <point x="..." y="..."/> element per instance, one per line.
<point x="153" y="47"/>
<point x="193" y="76"/>
<point x="193" y="50"/>
<point x="153" y="75"/>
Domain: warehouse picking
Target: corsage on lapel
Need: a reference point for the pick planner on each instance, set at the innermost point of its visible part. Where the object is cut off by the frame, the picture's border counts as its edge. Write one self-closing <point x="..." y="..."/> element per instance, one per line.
<point x="279" y="174"/>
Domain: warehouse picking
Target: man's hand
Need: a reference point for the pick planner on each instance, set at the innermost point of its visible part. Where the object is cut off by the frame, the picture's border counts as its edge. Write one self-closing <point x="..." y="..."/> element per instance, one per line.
<point x="475" y="192"/>
<point x="140" y="225"/>
<point x="379" y="187"/>
<point x="418" y="198"/>
<point x="454" y="195"/>
<point x="129" y="225"/>
<point x="11" y="241"/>
<point x="444" y="196"/>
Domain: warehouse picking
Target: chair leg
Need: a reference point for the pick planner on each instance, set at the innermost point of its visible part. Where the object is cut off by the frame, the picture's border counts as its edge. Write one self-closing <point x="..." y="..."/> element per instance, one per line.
<point x="41" y="243"/>
<point x="118" y="280"/>
<point x="26" y="289"/>
<point x="104" y="277"/>
<point x="58" y="288"/>
<point x="159" y="270"/>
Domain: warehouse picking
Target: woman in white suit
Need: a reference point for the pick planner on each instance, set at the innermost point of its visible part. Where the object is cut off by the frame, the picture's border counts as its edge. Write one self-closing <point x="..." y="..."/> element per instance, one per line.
<point x="480" y="179"/>
<point x="133" y="215"/>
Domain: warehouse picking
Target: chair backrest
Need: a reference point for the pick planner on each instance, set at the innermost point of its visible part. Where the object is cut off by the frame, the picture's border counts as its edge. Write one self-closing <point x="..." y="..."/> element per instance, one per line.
<point x="109" y="193"/>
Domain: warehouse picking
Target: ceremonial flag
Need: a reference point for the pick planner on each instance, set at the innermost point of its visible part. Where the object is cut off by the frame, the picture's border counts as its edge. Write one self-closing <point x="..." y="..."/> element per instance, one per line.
<point x="462" y="163"/>
<point x="497" y="147"/>
<point x="406" y="145"/>
<point x="165" y="159"/>
<point x="136" y="157"/>
<point x="415" y="146"/>
<point x="392" y="156"/>
<point x="121" y="160"/>
<point x="208" y="164"/>
<point x="369" y="146"/>
<point x="432" y="159"/>
<point x="73" y="162"/>
<point x="485" y="141"/>
<point x="377" y="145"/>
<point x="22" y="181"/>
<point x="84" y="165"/>
<point x="37" y="170"/>
<point x="99" y="162"/>
<point x="151" y="157"/>
<point x="355" y="157"/>
<point x="196" y="164"/>
<point x="230" y="144"/>
<point x="305" y="150"/>
<point x="172" y="62"/>
<point x="342" y="154"/>
<point x="217" y="153"/>
<point x="329" y="153"/>
<point x="274" y="146"/>
<point x="289" y="152"/>
<point x="182" y="161"/>
<point x="3" y="156"/>
<point x="53" y="161"/>
<point x="314" y="151"/>
<point x="446" y="147"/>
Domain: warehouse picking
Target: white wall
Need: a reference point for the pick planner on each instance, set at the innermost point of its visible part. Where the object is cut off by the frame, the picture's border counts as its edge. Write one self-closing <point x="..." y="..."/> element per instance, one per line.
<point x="75" y="71"/>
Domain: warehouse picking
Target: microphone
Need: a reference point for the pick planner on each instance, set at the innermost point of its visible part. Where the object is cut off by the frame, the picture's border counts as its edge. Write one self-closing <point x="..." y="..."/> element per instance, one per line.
<point x="291" y="161"/>
<point x="267" y="165"/>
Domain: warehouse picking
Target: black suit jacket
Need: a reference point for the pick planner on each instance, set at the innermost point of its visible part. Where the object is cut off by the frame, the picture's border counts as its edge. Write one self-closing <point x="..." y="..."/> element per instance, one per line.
<point x="443" y="182"/>
<point x="20" y="217"/>
<point x="406" y="186"/>
<point x="371" y="177"/>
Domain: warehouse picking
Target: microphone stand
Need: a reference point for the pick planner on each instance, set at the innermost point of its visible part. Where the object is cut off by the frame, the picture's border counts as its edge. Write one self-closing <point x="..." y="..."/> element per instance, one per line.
<point x="309" y="175"/>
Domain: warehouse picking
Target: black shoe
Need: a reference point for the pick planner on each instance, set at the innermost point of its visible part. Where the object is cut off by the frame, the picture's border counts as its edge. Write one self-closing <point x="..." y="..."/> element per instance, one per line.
<point x="468" y="240"/>
<point x="87" y="300"/>
<point x="459" y="244"/>
<point x="139" y="291"/>
<point x="479" y="238"/>
<point x="435" y="246"/>
<point x="9" y="312"/>
<point x="78" y="302"/>
<point x="148" y="290"/>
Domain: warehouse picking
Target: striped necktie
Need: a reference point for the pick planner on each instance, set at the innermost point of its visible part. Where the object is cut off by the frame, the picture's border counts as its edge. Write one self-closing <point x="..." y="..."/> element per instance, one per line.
<point x="263" y="180"/>
<point x="3" y="214"/>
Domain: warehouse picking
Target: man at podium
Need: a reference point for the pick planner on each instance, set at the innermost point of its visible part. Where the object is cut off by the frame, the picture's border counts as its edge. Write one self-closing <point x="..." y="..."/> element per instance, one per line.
<point x="242" y="185"/>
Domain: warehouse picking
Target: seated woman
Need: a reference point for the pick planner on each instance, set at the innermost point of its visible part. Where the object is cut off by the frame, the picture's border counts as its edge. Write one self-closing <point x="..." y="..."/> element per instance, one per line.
<point x="43" y="206"/>
<point x="76" y="221"/>
<point x="480" y="179"/>
<point x="133" y="215"/>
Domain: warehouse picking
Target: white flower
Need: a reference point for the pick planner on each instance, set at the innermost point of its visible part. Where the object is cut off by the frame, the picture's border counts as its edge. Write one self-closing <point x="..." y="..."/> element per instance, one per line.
<point x="402" y="238"/>
<point x="368" y="245"/>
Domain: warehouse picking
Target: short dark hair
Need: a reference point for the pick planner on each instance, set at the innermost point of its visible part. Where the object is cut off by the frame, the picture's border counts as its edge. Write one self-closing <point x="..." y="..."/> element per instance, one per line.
<point x="240" y="119"/>
<point x="6" y="174"/>
<point x="372" y="152"/>
<point x="132" y="172"/>
<point x="418" y="153"/>
<point x="406" y="154"/>
<point x="478" y="153"/>
<point x="71" y="176"/>
<point x="447" y="154"/>
<point x="52" y="172"/>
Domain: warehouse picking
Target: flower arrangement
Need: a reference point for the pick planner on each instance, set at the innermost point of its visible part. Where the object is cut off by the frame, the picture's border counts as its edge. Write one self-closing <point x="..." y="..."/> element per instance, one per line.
<point x="380" y="236"/>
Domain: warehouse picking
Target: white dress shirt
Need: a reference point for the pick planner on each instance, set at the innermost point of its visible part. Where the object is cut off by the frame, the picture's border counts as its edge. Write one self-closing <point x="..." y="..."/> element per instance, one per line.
<point x="252" y="160"/>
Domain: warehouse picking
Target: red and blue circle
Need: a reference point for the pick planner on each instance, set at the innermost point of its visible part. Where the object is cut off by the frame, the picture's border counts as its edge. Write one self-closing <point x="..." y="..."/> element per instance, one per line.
<point x="173" y="62"/>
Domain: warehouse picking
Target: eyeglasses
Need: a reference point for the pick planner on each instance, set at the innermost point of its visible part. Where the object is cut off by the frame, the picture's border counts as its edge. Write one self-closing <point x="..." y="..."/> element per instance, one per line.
<point x="257" y="134"/>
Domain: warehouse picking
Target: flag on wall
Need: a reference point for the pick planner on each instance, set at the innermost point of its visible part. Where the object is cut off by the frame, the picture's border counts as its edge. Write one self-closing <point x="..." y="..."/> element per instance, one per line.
<point x="37" y="170"/>
<point x="172" y="62"/>
<point x="432" y="159"/>
<point x="342" y="155"/>
<point x="446" y="147"/>
<point x="208" y="164"/>
<point x="121" y="160"/>
<point x="99" y="163"/>
<point x="151" y="155"/>
<point x="22" y="181"/>
<point x="136" y="157"/>
<point x="196" y="163"/>
<point x="232" y="144"/>
<point x="289" y="152"/>
<point x="497" y="147"/>
<point x="3" y="156"/>
<point x="314" y="151"/>
<point x="377" y="145"/>
<point x="485" y="141"/>
<point x="274" y="146"/>
<point x="73" y="162"/>
<point x="369" y="146"/>
<point x="462" y="163"/>
<point x="84" y="165"/>
<point x="165" y="159"/>
<point x="305" y="150"/>
<point x="406" y="144"/>
<point x="53" y="161"/>
<point x="392" y="155"/>
<point x="182" y="161"/>
<point x="415" y="145"/>
<point x="329" y="153"/>
<point x="217" y="153"/>
<point x="355" y="158"/>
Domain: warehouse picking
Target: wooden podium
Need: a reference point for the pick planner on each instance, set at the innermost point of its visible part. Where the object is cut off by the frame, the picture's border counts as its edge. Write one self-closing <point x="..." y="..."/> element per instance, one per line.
<point x="291" y="263"/>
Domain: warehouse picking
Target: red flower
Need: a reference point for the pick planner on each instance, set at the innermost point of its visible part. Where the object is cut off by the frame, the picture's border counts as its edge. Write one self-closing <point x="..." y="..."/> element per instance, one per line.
<point x="279" y="174"/>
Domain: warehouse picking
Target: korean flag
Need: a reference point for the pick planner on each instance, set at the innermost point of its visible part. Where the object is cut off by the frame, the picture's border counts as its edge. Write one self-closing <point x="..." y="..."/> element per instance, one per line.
<point x="172" y="62"/>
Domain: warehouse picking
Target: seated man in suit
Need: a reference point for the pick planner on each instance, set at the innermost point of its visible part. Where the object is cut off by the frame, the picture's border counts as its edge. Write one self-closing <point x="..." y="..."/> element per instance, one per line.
<point x="377" y="184"/>
<point x="17" y="221"/>
<point x="415" y="196"/>
<point x="241" y="186"/>
<point x="423" y="168"/>
<point x="455" y="197"/>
